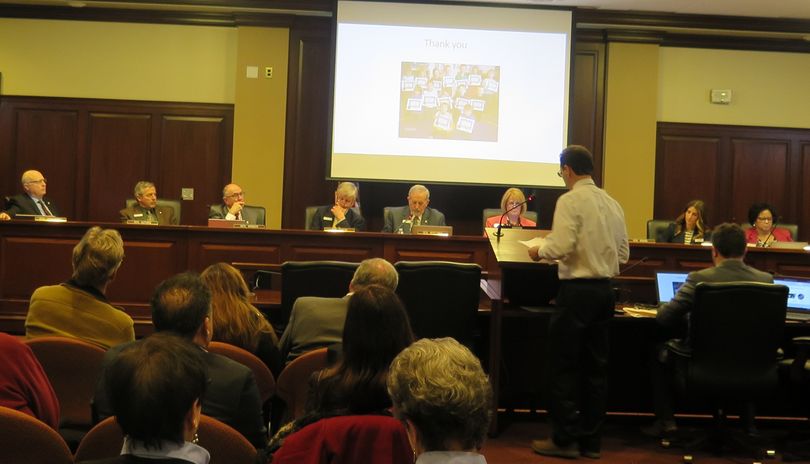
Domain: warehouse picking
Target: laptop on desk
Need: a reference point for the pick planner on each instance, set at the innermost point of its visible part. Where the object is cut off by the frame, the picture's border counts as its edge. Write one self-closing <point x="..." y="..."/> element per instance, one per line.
<point x="798" y="303"/>
<point x="667" y="285"/>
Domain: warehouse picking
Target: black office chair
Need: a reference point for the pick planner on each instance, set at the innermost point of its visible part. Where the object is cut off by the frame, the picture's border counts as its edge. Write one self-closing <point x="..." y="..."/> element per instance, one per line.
<point x="656" y="228"/>
<point x="796" y="376"/>
<point x="176" y="205"/>
<point x="313" y="278"/>
<point x="441" y="298"/>
<point x="732" y="358"/>
<point x="309" y="213"/>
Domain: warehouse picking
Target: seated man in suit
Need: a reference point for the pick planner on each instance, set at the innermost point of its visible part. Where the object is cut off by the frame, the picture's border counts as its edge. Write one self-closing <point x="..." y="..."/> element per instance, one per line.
<point x="234" y="208"/>
<point x="79" y="307"/>
<point x="340" y="215"/>
<point x="33" y="201"/>
<point x="728" y="250"/>
<point x="182" y="305"/>
<point x="401" y="219"/>
<point x="146" y="208"/>
<point x="317" y="322"/>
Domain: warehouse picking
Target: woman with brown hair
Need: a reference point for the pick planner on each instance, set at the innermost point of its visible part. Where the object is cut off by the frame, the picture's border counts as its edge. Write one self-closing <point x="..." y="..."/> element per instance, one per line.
<point x="689" y="227"/>
<point x="236" y="320"/>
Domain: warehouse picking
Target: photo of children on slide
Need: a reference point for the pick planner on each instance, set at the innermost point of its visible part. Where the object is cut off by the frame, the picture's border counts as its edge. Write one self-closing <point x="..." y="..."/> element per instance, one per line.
<point x="449" y="101"/>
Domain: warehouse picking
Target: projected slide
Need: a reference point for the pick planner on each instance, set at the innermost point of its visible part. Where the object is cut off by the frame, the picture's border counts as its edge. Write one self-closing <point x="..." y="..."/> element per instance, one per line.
<point x="456" y="94"/>
<point x="449" y="101"/>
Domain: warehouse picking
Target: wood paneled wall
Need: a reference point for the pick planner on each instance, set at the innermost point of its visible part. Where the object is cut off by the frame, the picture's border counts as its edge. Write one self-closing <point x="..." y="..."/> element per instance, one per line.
<point x="94" y="151"/>
<point x="732" y="167"/>
<point x="308" y="112"/>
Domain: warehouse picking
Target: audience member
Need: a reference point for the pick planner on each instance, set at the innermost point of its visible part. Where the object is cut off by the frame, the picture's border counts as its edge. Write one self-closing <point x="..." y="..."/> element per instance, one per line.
<point x="376" y="330"/>
<point x="146" y="209"/>
<point x="416" y="213"/>
<point x="182" y="305"/>
<point x="317" y="322"/>
<point x="156" y="387"/>
<point x="441" y="394"/>
<point x="79" y="308"/>
<point x="236" y="320"/>
<point x="763" y="231"/>
<point x="233" y="207"/>
<point x="689" y="227"/>
<point x="510" y="201"/>
<point x="33" y="201"/>
<point x="23" y="384"/>
<point x="341" y="215"/>
<point x="728" y="251"/>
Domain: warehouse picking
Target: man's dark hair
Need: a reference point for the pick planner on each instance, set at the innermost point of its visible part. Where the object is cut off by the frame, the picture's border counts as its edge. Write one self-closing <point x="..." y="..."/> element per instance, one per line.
<point x="153" y="384"/>
<point x="180" y="304"/>
<point x="729" y="240"/>
<point x="578" y="158"/>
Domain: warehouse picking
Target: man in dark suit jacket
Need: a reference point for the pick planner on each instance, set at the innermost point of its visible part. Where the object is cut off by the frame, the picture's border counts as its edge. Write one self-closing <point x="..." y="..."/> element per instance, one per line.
<point x="317" y="322"/>
<point x="401" y="220"/>
<point x="728" y="250"/>
<point x="182" y="305"/>
<point x="146" y="208"/>
<point x="235" y="209"/>
<point x="33" y="201"/>
<point x="341" y="215"/>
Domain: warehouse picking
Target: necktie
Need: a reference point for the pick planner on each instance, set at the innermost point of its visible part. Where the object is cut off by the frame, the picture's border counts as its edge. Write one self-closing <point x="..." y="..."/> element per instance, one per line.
<point x="45" y="210"/>
<point x="417" y="221"/>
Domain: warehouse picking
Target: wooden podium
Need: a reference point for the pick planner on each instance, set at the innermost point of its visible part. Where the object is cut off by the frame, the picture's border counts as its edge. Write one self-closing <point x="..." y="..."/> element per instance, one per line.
<point x="524" y="285"/>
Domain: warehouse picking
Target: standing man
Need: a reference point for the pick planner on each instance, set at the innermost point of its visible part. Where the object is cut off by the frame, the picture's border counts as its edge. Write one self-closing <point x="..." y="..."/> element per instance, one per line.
<point x="235" y="209"/>
<point x="589" y="239"/>
<point x="416" y="213"/>
<point x="33" y="201"/>
<point x="146" y="208"/>
<point x="341" y="215"/>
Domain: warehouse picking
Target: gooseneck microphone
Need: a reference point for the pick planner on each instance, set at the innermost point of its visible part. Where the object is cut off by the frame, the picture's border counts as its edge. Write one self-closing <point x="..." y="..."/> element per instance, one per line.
<point x="499" y="225"/>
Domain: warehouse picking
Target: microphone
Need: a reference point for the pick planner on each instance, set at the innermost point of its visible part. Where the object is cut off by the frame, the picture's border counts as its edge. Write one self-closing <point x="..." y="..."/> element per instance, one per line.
<point x="642" y="260"/>
<point x="407" y="220"/>
<point x="499" y="226"/>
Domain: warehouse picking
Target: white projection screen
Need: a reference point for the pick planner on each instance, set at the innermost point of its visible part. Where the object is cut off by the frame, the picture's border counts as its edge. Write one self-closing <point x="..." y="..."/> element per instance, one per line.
<point x="450" y="93"/>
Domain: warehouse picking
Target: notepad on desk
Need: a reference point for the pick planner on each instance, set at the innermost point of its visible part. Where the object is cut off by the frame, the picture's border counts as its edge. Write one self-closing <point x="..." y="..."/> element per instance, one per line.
<point x="640" y="312"/>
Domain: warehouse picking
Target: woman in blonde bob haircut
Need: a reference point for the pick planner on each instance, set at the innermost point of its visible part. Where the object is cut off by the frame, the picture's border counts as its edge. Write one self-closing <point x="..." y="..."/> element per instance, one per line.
<point x="514" y="218"/>
<point x="440" y="392"/>
<point x="236" y="320"/>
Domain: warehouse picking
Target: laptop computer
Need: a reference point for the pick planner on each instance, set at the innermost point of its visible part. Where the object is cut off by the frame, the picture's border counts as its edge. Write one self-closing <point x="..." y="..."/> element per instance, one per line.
<point x="798" y="303"/>
<point x="423" y="229"/>
<point x="667" y="285"/>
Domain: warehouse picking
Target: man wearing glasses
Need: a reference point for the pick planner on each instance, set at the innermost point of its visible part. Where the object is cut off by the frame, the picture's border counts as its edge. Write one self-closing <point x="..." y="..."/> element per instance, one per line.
<point x="33" y="201"/>
<point x="234" y="208"/>
<point x="342" y="214"/>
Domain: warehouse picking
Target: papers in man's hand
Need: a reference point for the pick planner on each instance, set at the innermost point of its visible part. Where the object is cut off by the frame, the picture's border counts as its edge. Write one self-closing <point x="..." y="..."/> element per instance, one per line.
<point x="535" y="242"/>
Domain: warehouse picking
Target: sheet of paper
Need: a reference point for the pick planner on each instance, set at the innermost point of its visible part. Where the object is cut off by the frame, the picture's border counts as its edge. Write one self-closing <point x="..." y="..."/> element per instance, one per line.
<point x="537" y="241"/>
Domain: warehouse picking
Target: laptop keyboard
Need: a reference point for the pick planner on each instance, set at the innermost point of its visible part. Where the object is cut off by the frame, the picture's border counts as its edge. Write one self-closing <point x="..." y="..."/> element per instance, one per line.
<point x="798" y="316"/>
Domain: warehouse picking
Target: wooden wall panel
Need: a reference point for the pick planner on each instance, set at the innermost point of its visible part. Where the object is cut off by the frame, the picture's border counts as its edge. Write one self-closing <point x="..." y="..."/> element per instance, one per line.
<point x="686" y="169"/>
<point x="93" y="151"/>
<point x="760" y="171"/>
<point x="731" y="167"/>
<point x="114" y="168"/>
<point x="190" y="155"/>
<point x="47" y="140"/>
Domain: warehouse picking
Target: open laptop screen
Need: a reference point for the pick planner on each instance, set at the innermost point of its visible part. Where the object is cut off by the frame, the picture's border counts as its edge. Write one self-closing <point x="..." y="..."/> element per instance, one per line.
<point x="668" y="283"/>
<point x="798" y="293"/>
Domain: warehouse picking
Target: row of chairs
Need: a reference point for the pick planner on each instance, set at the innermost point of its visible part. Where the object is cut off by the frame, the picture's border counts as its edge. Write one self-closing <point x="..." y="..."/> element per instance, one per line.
<point x="73" y="367"/>
<point x="441" y="297"/>
<point x="656" y="227"/>
<point x="487" y="213"/>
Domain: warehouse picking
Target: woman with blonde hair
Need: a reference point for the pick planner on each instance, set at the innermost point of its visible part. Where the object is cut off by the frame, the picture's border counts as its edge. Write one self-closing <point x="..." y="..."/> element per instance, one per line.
<point x="514" y="214"/>
<point x="236" y="320"/>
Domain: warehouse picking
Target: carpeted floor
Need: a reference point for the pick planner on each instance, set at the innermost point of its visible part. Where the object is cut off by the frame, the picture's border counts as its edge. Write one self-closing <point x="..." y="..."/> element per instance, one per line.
<point x="623" y="442"/>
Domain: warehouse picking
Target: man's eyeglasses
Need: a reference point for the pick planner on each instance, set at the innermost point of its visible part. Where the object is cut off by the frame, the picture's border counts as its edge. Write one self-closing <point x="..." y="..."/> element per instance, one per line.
<point x="236" y="195"/>
<point x="41" y="181"/>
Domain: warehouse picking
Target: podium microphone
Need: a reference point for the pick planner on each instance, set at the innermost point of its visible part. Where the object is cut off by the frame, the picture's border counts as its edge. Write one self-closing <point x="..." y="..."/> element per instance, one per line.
<point x="498" y="233"/>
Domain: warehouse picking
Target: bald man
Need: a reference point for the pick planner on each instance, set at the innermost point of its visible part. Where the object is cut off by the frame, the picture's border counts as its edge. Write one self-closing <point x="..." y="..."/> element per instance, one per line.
<point x="33" y="201"/>
<point x="235" y="209"/>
